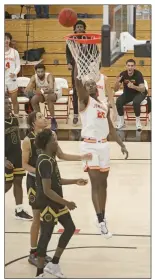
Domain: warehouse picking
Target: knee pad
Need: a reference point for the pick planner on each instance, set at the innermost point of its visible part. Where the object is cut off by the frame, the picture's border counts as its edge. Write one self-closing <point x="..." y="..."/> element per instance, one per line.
<point x="72" y="228"/>
<point x="69" y="227"/>
<point x="42" y="244"/>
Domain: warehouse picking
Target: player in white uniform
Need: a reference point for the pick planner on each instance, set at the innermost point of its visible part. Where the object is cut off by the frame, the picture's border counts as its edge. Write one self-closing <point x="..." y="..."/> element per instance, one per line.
<point x="96" y="125"/>
<point x="12" y="68"/>
<point x="104" y="87"/>
<point x="42" y="88"/>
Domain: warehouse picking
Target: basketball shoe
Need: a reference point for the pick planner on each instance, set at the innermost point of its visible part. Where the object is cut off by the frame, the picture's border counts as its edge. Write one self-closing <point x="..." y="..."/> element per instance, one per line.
<point x="120" y="123"/>
<point x="104" y="230"/>
<point x="54" y="269"/>
<point x="21" y="214"/>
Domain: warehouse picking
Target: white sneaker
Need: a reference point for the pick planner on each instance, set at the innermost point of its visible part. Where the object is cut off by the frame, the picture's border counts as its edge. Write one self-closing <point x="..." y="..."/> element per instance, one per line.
<point x="54" y="269"/>
<point x="138" y="124"/>
<point x="40" y="276"/>
<point x="120" y="124"/>
<point x="98" y="224"/>
<point x="104" y="230"/>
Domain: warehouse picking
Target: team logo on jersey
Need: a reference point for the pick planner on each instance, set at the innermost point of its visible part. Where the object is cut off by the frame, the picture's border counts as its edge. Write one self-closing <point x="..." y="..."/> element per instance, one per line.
<point x="31" y="198"/>
<point x="48" y="217"/>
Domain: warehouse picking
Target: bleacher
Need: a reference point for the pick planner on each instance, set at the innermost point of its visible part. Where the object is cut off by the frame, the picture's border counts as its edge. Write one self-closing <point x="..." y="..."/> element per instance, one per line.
<point x="48" y="33"/>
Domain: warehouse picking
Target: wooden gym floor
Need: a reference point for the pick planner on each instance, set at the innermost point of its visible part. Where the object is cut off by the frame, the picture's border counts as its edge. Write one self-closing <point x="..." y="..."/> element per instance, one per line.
<point x="89" y="255"/>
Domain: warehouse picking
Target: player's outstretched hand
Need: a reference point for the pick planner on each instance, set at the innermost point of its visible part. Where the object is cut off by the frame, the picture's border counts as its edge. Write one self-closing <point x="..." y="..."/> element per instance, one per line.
<point x="8" y="164"/>
<point x="71" y="205"/>
<point x="81" y="182"/>
<point x="87" y="156"/>
<point x="124" y="151"/>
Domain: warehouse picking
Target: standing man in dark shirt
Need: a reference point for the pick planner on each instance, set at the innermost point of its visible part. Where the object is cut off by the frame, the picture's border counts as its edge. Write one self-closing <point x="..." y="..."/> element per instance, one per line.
<point x="133" y="90"/>
<point x="13" y="162"/>
<point x="52" y="205"/>
<point x="79" y="27"/>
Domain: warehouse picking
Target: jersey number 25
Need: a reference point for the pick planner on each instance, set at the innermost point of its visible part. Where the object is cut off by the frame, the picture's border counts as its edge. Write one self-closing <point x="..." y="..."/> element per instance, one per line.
<point x="7" y="65"/>
<point x="100" y="114"/>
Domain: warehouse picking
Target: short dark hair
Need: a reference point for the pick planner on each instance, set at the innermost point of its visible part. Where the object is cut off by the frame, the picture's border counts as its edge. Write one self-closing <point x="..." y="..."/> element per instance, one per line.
<point x="43" y="138"/>
<point x="40" y="66"/>
<point x="131" y="61"/>
<point x="80" y="22"/>
<point x="8" y="35"/>
<point x="31" y="119"/>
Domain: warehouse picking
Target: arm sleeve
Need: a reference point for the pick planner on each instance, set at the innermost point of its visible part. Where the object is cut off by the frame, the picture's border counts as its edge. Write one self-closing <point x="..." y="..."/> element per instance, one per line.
<point x="69" y="56"/>
<point x="17" y="62"/>
<point x="140" y="78"/>
<point x="45" y="169"/>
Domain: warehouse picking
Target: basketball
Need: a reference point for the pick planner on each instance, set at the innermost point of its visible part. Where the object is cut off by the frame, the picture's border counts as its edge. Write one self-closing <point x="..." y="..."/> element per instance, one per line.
<point x="67" y="17"/>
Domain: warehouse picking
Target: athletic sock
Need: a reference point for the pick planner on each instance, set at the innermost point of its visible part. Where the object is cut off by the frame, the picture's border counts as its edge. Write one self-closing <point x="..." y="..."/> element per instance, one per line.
<point x="103" y="214"/>
<point x="39" y="271"/>
<point x="55" y="260"/>
<point x="33" y="250"/>
<point x="19" y="207"/>
<point x="100" y="217"/>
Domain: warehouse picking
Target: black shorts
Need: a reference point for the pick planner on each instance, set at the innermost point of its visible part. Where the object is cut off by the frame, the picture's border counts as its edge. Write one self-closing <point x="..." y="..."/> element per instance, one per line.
<point x="16" y="160"/>
<point x="31" y="191"/>
<point x="49" y="214"/>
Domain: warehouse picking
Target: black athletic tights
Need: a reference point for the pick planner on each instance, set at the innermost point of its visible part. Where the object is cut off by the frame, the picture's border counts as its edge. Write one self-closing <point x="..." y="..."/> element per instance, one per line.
<point x="47" y="230"/>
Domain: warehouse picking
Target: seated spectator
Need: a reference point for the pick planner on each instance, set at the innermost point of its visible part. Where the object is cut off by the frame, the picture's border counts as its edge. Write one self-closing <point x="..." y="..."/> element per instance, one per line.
<point x="133" y="90"/>
<point x="41" y="89"/>
<point x="42" y="11"/>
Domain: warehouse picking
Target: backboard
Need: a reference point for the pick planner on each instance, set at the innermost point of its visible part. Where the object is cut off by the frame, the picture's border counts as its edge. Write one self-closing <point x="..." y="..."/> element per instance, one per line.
<point x="117" y="19"/>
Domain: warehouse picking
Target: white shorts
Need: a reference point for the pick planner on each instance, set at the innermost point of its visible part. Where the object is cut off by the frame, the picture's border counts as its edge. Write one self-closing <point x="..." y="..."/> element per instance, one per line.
<point x="100" y="156"/>
<point x="11" y="87"/>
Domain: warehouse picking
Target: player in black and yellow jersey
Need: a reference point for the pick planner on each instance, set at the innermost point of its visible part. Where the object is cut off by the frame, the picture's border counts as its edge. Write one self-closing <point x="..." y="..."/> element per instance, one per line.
<point x="53" y="206"/>
<point x="13" y="162"/>
<point x="37" y="123"/>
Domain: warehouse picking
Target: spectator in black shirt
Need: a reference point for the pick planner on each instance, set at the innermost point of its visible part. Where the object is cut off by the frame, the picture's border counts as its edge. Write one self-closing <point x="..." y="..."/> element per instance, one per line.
<point x="133" y="90"/>
<point x="53" y="206"/>
<point x="79" y="27"/>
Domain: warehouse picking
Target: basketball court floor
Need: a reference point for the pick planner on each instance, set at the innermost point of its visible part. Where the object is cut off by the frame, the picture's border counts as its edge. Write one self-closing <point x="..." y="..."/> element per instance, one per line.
<point x="89" y="255"/>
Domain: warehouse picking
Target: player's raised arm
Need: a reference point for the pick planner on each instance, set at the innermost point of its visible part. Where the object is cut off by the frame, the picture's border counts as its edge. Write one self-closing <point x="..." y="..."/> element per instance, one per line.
<point x="81" y="91"/>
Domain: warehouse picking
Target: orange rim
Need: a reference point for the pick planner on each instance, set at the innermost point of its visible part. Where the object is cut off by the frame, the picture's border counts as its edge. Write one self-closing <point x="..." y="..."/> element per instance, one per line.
<point x="87" y="38"/>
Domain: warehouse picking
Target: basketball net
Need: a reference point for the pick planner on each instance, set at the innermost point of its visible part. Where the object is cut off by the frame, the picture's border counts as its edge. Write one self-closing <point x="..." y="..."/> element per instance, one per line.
<point x="86" y="56"/>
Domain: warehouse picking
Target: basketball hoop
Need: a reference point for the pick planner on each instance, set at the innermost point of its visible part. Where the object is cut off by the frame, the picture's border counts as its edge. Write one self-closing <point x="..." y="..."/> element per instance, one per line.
<point x="86" y="54"/>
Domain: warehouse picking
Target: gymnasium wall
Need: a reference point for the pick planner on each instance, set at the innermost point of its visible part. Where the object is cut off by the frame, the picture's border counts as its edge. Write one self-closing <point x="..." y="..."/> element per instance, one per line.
<point x="48" y="33"/>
